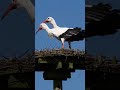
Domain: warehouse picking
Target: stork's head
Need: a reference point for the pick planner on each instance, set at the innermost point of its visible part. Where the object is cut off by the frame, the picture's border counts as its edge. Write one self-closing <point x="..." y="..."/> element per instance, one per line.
<point x="48" y="20"/>
<point x="42" y="27"/>
<point x="14" y="5"/>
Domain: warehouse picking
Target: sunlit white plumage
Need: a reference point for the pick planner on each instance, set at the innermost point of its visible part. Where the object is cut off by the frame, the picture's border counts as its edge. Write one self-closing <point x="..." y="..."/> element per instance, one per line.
<point x="53" y="32"/>
<point x="61" y="34"/>
<point x="71" y="31"/>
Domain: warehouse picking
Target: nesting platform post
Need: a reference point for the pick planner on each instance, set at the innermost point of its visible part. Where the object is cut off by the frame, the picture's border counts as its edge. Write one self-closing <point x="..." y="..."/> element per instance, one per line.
<point x="58" y="84"/>
<point x="57" y="65"/>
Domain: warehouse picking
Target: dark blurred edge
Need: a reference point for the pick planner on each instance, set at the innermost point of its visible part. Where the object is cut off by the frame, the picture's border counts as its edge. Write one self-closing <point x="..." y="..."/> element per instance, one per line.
<point x="96" y="77"/>
<point x="23" y="80"/>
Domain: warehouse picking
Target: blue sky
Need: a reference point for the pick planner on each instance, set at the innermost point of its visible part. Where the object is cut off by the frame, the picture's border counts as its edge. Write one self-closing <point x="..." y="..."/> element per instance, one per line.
<point x="68" y="13"/>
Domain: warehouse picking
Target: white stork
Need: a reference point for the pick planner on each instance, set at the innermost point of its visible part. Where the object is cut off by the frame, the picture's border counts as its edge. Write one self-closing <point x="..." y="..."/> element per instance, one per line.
<point x="70" y="31"/>
<point x="15" y="4"/>
<point x="61" y="34"/>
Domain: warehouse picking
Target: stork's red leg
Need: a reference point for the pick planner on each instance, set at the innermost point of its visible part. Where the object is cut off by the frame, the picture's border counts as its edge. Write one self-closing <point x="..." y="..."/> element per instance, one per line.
<point x="62" y="39"/>
<point x="62" y="45"/>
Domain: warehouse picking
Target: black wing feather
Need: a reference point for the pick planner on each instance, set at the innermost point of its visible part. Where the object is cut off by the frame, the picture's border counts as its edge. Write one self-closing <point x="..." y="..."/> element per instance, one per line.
<point x="70" y="33"/>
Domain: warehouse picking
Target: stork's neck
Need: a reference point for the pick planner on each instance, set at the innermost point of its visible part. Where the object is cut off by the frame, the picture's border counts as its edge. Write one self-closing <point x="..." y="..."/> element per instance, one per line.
<point x="54" y="24"/>
<point x="47" y="29"/>
<point x="30" y="9"/>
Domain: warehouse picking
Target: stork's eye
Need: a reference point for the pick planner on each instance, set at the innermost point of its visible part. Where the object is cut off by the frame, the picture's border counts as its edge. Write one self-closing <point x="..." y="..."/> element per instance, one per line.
<point x="48" y="18"/>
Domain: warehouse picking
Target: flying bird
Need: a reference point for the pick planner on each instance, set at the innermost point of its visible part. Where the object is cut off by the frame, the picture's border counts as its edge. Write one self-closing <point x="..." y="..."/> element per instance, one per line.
<point x="26" y="4"/>
<point x="72" y="34"/>
<point x="62" y="34"/>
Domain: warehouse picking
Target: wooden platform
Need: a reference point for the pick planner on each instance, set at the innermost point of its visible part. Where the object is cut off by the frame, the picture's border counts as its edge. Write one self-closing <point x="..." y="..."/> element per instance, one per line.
<point x="53" y="57"/>
<point x="50" y="62"/>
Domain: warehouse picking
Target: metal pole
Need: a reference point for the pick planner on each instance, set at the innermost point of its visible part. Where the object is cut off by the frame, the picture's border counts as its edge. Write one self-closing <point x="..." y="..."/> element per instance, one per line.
<point x="57" y="84"/>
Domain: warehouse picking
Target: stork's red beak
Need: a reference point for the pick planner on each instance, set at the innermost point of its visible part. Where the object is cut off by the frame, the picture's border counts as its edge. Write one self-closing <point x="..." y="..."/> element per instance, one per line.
<point x="10" y="8"/>
<point x="38" y="30"/>
<point x="46" y="21"/>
